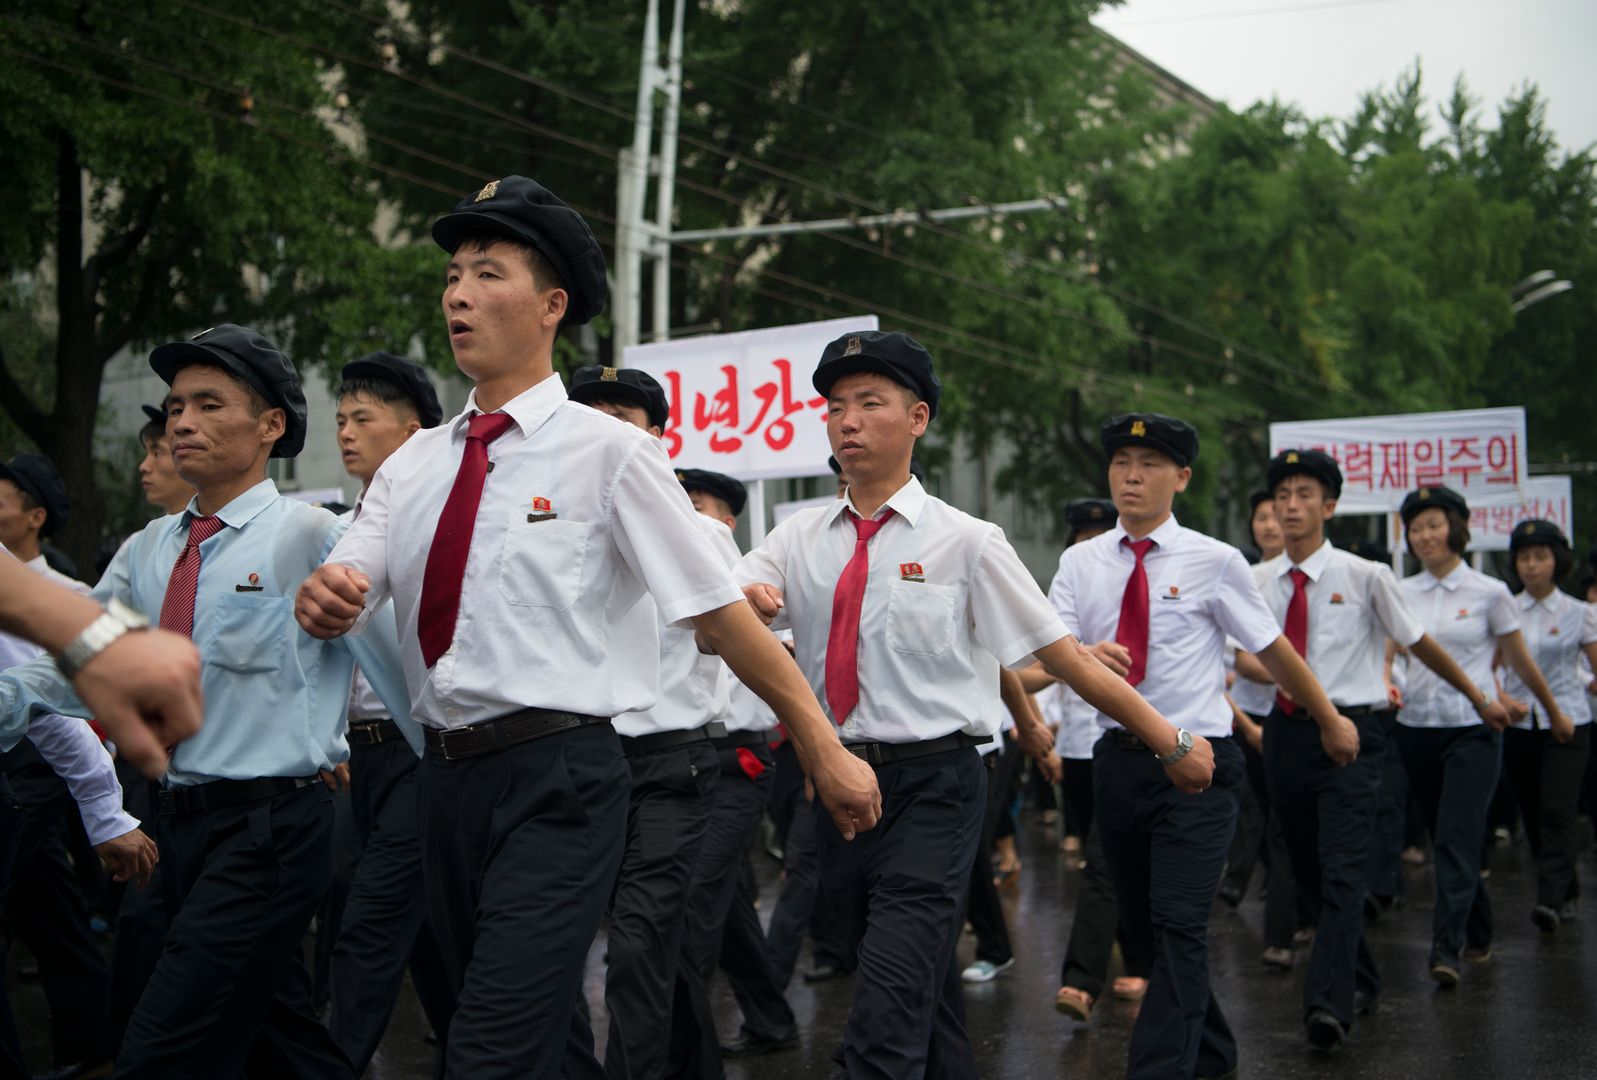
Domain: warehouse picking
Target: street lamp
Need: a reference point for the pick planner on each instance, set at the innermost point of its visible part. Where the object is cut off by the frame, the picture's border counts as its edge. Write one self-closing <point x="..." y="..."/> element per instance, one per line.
<point x="1538" y="287"/>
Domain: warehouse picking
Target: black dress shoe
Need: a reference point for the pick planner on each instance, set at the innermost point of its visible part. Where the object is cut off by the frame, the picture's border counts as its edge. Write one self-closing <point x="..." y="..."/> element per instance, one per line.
<point x="747" y="1045"/>
<point x="1324" y="1030"/>
<point x="824" y="973"/>
<point x="1363" y="1003"/>
<point x="1230" y="894"/>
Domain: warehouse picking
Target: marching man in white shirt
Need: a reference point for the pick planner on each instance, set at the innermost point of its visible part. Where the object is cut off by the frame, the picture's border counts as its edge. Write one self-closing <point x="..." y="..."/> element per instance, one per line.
<point x="898" y="604"/>
<point x="1337" y="610"/>
<point x="1159" y="601"/>
<point x="516" y="542"/>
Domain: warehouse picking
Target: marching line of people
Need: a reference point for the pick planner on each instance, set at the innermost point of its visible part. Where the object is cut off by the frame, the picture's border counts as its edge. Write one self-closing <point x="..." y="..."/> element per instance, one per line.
<point x="553" y="696"/>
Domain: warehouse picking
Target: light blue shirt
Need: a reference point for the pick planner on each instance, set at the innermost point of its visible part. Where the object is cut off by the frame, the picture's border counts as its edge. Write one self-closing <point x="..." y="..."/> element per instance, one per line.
<point x="274" y="696"/>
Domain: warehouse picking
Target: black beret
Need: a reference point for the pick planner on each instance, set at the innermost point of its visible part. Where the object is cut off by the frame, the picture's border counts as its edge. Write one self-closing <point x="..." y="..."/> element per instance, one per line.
<point x="898" y="356"/>
<point x="156" y="413"/>
<point x="1537" y="531"/>
<point x="35" y="476"/>
<point x="723" y="487"/>
<point x="1373" y="550"/>
<point x="408" y="375"/>
<point x="1259" y="497"/>
<point x="1424" y="498"/>
<point x="596" y="382"/>
<point x="1089" y="513"/>
<point x="1176" y="439"/>
<point x="248" y="355"/>
<point x="524" y="210"/>
<point x="1315" y="463"/>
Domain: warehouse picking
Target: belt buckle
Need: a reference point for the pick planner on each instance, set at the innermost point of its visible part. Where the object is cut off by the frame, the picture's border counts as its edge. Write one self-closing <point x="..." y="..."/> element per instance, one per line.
<point x="859" y="750"/>
<point x="444" y="740"/>
<point x="166" y="801"/>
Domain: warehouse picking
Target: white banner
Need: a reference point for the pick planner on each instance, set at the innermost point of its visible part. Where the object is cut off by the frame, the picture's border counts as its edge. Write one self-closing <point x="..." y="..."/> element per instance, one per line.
<point x="742" y="404"/>
<point x="1492" y="517"/>
<point x="1480" y="453"/>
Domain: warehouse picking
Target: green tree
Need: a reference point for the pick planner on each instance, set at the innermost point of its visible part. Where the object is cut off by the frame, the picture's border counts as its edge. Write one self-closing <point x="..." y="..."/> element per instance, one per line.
<point x="162" y="177"/>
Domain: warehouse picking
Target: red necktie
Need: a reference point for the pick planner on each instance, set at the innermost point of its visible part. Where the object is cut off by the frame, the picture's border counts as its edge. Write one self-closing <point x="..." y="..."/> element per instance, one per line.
<point x="1132" y="632"/>
<point x="446" y="559"/>
<point x="177" y="608"/>
<point x="842" y="643"/>
<point x="1297" y="627"/>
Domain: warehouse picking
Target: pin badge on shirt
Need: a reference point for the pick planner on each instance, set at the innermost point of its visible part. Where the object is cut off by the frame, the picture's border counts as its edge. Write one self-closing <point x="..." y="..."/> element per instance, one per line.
<point x="1463" y="613"/>
<point x="253" y="586"/>
<point x="1173" y="594"/>
<point x="1336" y="598"/>
<point x="542" y="510"/>
<point x="911" y="571"/>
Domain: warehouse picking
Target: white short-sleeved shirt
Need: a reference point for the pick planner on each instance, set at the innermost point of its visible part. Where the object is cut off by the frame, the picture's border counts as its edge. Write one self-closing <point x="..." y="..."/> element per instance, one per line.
<point x="580" y="516"/>
<point x="364" y="704"/>
<point x="945" y="595"/>
<point x="693" y="686"/>
<point x="1354" y="606"/>
<point x="1075" y="722"/>
<point x="1253" y="698"/>
<point x="1557" y="628"/>
<point x="1199" y="591"/>
<point x="1465" y="612"/>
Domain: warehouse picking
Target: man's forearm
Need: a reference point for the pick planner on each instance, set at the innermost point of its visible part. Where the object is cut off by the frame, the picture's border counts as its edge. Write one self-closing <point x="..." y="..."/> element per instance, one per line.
<point x="39" y="611"/>
<point x="1249" y="667"/>
<point x="1291" y="673"/>
<point x="758" y="659"/>
<point x="1109" y="694"/>
<point x="1428" y="651"/>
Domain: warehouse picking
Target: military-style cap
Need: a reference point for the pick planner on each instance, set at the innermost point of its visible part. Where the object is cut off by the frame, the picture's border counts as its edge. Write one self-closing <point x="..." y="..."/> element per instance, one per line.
<point x="1090" y="513"/>
<point x="596" y="381"/>
<point x="408" y="375"/>
<point x="1537" y="531"/>
<point x="1373" y="550"/>
<point x="520" y="209"/>
<point x="723" y="487"/>
<point x="1315" y="463"/>
<point x="1259" y="497"/>
<point x="35" y="475"/>
<point x="1175" y="439"/>
<point x="156" y="413"/>
<point x="246" y="353"/>
<point x="1424" y="498"/>
<point x="898" y="356"/>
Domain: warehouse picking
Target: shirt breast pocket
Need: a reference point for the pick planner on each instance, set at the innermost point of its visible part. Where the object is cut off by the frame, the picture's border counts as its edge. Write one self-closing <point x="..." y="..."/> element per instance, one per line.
<point x="920" y="618"/>
<point x="541" y="563"/>
<point x="250" y="633"/>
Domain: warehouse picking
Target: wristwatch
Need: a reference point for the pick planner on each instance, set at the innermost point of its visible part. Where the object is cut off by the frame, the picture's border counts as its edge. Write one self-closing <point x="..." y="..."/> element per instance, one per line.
<point x="116" y="620"/>
<point x="1183" y="745"/>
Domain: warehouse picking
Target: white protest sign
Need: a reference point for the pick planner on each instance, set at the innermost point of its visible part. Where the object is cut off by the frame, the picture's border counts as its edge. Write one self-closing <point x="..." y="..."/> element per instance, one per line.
<point x="1480" y="453"/>
<point x="1492" y="517"/>
<point x="742" y="404"/>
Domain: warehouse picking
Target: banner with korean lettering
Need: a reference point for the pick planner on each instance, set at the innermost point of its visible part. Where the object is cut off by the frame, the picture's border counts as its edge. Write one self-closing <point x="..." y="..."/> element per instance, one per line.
<point x="742" y="404"/>
<point x="1476" y="452"/>
<point x="1492" y="517"/>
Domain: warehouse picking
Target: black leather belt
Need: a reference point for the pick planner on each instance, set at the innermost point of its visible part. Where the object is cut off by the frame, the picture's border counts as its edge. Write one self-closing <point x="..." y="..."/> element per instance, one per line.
<point x="734" y="739"/>
<point x="373" y="732"/>
<point x="221" y="794"/>
<point x="1352" y="712"/>
<point x="507" y="731"/>
<point x="638" y="745"/>
<point x="879" y="753"/>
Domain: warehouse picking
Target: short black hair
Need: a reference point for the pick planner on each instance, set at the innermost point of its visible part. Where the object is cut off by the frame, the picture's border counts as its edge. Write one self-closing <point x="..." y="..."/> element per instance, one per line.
<point x="1563" y="563"/>
<point x="383" y="390"/>
<point x="152" y="431"/>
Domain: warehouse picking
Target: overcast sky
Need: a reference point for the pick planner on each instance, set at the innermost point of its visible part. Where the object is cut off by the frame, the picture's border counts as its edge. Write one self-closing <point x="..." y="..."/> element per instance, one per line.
<point x="1321" y="54"/>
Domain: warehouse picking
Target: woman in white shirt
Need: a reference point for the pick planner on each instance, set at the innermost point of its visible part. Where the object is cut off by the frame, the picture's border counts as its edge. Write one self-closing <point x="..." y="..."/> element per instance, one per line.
<point x="1546" y="762"/>
<point x="1452" y="745"/>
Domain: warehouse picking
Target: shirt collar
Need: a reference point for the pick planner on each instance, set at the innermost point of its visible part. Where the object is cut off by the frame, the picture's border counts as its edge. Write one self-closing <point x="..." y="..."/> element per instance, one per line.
<point x="234" y="515"/>
<point x="1164" y="537"/>
<point x="907" y="502"/>
<point x="1527" y="601"/>
<point x="529" y="409"/>
<point x="1313" y="566"/>
<point x="1451" y="582"/>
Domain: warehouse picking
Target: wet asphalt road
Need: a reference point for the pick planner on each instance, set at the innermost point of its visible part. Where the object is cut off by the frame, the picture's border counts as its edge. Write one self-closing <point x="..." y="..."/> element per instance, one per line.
<point x="1530" y="1013"/>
